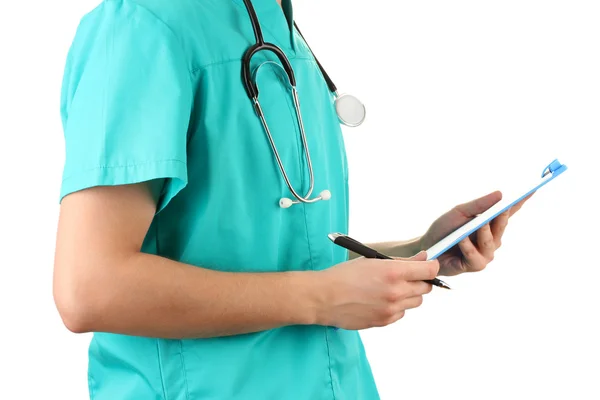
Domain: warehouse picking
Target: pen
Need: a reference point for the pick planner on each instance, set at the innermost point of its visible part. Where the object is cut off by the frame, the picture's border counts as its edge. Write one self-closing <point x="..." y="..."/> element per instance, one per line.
<point x="353" y="245"/>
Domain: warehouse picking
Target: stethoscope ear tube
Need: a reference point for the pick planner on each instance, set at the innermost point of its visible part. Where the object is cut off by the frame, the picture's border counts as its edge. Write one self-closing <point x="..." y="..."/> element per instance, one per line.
<point x="330" y="84"/>
<point x="350" y="110"/>
<point x="285" y="202"/>
<point x="249" y="84"/>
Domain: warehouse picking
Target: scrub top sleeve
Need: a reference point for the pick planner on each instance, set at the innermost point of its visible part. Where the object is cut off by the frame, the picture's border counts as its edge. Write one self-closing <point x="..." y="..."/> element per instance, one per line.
<point x="126" y="102"/>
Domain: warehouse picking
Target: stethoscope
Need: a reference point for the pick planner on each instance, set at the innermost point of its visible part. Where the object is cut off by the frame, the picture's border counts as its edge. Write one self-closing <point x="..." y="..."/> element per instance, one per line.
<point x="350" y="110"/>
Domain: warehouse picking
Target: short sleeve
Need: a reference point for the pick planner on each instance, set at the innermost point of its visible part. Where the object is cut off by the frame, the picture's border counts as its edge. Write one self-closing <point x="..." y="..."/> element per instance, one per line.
<point x="126" y="102"/>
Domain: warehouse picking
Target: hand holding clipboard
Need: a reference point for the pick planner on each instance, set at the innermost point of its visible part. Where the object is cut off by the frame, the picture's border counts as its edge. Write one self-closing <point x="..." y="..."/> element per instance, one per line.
<point x="486" y="216"/>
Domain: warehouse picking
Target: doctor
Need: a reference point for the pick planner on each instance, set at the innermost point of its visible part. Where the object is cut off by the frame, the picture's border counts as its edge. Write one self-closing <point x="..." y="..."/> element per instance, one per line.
<point x="190" y="240"/>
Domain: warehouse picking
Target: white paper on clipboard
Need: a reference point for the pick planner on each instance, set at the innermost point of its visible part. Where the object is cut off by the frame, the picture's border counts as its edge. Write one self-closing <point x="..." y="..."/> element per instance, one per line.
<point x="550" y="172"/>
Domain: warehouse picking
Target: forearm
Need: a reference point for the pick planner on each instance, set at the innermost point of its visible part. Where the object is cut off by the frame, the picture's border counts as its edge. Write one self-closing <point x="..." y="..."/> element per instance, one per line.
<point x="147" y="295"/>
<point x="404" y="249"/>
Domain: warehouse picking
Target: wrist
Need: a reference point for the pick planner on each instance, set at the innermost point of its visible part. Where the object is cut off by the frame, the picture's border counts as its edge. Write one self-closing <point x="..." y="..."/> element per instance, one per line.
<point x="418" y="245"/>
<point x="307" y="297"/>
<point x="409" y="248"/>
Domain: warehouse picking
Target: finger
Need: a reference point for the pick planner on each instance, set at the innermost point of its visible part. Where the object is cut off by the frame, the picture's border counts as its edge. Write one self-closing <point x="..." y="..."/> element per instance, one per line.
<point x="485" y="242"/>
<point x="390" y="320"/>
<point x="411" y="302"/>
<point x="518" y="206"/>
<point x="498" y="226"/>
<point x="418" y="288"/>
<point x="420" y="256"/>
<point x="417" y="271"/>
<point x="406" y="289"/>
<point x="400" y="315"/>
<point x="472" y="256"/>
<point x="477" y="206"/>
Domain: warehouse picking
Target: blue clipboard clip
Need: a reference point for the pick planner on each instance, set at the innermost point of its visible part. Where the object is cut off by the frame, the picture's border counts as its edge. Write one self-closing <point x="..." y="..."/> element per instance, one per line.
<point x="555" y="168"/>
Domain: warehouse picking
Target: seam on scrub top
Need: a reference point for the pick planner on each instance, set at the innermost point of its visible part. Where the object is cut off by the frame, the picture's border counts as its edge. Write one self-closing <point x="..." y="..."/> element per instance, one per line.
<point x="329" y="360"/>
<point x="121" y="166"/>
<point x="310" y="258"/>
<point x="160" y="370"/>
<point x="187" y="392"/>
<point x="91" y="386"/>
<point x="198" y="68"/>
<point x="177" y="39"/>
<point x="230" y="60"/>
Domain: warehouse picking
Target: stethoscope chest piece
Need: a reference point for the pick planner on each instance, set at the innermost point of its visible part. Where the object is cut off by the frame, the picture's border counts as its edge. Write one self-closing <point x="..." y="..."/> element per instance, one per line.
<point x="350" y="110"/>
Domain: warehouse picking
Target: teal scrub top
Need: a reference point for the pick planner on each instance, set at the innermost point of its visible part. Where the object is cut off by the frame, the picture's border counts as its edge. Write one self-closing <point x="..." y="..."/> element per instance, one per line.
<point x="153" y="90"/>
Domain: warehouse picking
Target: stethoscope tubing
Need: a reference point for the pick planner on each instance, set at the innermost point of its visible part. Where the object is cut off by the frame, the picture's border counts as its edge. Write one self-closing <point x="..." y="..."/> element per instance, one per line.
<point x="252" y="91"/>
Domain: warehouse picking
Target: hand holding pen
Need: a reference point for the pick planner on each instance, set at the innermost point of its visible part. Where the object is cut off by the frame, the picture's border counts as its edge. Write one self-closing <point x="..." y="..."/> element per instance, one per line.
<point x="357" y="247"/>
<point x="366" y="292"/>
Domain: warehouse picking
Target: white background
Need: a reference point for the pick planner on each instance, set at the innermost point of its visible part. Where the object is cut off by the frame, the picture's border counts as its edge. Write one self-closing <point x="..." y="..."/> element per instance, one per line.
<point x="462" y="97"/>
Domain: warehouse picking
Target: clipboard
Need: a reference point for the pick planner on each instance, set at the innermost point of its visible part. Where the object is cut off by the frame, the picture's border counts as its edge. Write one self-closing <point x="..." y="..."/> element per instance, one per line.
<point x="553" y="170"/>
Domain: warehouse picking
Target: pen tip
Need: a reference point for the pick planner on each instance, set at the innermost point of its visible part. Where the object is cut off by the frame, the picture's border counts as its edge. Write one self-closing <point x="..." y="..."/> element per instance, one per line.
<point x="440" y="283"/>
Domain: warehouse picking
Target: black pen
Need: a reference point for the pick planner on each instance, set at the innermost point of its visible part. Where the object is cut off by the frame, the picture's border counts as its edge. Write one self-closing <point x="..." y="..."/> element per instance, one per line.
<point x="353" y="245"/>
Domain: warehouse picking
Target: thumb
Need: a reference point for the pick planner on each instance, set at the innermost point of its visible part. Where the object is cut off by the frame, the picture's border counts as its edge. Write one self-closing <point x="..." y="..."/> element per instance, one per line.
<point x="477" y="206"/>
<point x="420" y="256"/>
